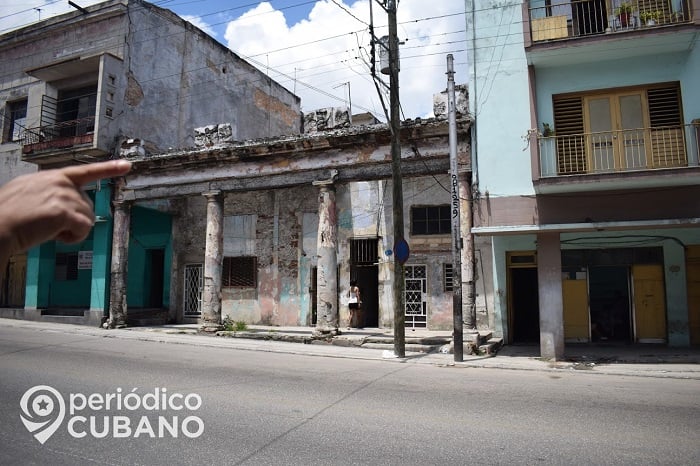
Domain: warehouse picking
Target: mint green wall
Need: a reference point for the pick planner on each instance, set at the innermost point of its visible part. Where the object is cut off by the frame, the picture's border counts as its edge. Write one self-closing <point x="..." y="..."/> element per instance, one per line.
<point x="102" y="249"/>
<point x="40" y="265"/>
<point x="633" y="71"/>
<point x="150" y="229"/>
<point x="499" y="97"/>
<point x="71" y="293"/>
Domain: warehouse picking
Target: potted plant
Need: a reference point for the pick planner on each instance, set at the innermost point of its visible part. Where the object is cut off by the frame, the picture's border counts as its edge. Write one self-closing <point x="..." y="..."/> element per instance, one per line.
<point x="624" y="13"/>
<point x="650" y="18"/>
<point x="547" y="130"/>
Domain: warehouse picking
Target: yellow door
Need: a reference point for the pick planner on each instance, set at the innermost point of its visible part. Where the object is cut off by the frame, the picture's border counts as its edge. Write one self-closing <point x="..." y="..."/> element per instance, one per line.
<point x="649" y="303"/>
<point x="693" y="275"/>
<point x="575" y="294"/>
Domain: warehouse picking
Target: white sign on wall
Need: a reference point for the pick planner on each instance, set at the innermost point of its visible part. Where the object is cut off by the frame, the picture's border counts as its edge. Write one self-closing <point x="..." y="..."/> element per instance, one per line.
<point x="84" y="260"/>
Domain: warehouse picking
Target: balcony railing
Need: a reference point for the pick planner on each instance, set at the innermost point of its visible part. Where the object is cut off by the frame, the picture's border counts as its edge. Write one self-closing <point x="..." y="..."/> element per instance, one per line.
<point x="619" y="151"/>
<point x="580" y="18"/>
<point x="59" y="135"/>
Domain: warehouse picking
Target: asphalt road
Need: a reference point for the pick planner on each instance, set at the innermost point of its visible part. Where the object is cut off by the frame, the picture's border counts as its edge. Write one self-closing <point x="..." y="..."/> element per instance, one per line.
<point x="271" y="408"/>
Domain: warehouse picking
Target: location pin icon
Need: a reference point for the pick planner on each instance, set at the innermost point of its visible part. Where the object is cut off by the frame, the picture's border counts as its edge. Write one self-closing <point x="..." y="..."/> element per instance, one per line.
<point x="43" y="410"/>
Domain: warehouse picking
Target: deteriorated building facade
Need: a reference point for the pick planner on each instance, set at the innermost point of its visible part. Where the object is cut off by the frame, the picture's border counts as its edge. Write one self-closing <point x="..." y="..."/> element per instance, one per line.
<point x="272" y="231"/>
<point x="76" y="86"/>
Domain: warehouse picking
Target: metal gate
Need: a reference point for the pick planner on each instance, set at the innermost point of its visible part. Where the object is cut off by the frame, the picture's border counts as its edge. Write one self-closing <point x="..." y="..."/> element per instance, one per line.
<point x="193" y="289"/>
<point x="416" y="300"/>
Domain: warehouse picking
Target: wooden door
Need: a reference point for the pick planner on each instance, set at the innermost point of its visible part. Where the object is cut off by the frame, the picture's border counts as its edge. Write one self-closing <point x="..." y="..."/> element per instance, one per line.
<point x="693" y="277"/>
<point x="576" y="325"/>
<point x="649" y="303"/>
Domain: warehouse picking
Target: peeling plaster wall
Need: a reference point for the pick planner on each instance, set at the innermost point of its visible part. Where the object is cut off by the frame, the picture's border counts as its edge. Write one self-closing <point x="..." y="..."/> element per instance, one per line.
<point x="277" y="299"/>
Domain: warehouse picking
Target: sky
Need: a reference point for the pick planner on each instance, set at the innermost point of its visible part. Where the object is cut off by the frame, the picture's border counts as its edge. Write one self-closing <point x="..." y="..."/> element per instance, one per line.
<point x="320" y="49"/>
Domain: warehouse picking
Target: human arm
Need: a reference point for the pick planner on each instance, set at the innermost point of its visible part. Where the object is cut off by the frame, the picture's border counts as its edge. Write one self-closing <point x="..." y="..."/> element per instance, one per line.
<point x="50" y="205"/>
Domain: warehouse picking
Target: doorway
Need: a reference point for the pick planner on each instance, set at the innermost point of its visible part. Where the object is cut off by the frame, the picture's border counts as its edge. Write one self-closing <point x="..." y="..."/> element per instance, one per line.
<point x="524" y="305"/>
<point x="610" y="309"/>
<point x="364" y="268"/>
<point x="155" y="265"/>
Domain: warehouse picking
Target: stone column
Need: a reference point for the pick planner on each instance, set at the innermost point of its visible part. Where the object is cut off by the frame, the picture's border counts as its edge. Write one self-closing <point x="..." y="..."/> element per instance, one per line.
<point x="327" y="277"/>
<point x="213" y="262"/>
<point x="550" y="295"/>
<point x="120" y="257"/>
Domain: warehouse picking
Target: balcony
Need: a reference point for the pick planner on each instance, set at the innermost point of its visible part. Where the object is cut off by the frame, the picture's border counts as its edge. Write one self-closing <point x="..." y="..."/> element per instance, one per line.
<point x="61" y="135"/>
<point x="619" y="158"/>
<point x="582" y="18"/>
<point x="67" y="129"/>
<point x="77" y="119"/>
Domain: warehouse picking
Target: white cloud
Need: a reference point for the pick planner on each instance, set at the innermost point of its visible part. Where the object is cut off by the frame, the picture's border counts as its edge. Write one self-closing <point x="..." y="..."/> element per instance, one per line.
<point x="264" y="34"/>
<point x="301" y="51"/>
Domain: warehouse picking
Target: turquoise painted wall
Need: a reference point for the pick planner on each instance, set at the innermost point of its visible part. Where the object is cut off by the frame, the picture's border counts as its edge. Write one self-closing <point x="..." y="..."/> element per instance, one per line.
<point x="150" y="229"/>
<point x="72" y="293"/>
<point x="40" y="265"/>
<point x="102" y="250"/>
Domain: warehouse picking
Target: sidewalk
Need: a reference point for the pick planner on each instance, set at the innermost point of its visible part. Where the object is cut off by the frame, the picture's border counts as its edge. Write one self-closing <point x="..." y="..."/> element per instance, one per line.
<point x="628" y="360"/>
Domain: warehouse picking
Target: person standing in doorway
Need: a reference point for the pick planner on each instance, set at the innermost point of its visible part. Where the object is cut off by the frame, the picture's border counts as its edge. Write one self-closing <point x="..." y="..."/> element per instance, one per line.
<point x="354" y="304"/>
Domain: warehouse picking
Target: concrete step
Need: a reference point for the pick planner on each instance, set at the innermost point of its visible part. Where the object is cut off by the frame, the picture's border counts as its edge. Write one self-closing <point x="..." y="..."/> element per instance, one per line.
<point x="411" y="347"/>
<point x="430" y="341"/>
<point x="491" y="346"/>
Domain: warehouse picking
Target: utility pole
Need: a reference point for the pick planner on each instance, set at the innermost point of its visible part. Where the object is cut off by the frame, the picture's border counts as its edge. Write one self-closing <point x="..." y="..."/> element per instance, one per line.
<point x="397" y="191"/>
<point x="457" y="334"/>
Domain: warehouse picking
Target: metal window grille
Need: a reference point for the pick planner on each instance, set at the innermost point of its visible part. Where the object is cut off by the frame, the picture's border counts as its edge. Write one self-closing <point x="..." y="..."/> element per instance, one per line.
<point x="364" y="251"/>
<point x="240" y="272"/>
<point x="447" y="277"/>
<point x="66" y="266"/>
<point x="416" y="306"/>
<point x="193" y="290"/>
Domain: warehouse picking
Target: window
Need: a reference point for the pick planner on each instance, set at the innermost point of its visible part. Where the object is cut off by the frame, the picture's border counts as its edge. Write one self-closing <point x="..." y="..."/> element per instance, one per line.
<point x="15" y="122"/>
<point x="431" y="220"/>
<point x="66" y="266"/>
<point x="75" y="111"/>
<point x="447" y="277"/>
<point x="240" y="272"/>
<point x="619" y="129"/>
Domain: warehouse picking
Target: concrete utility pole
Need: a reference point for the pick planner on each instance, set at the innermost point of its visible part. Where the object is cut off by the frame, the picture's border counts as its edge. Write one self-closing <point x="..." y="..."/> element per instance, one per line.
<point x="457" y="335"/>
<point x="397" y="191"/>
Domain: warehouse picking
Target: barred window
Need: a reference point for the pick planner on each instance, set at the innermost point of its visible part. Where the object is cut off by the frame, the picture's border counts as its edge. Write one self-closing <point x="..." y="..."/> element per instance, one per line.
<point x="431" y="220"/>
<point x="66" y="266"/>
<point x="447" y="277"/>
<point x="241" y="272"/>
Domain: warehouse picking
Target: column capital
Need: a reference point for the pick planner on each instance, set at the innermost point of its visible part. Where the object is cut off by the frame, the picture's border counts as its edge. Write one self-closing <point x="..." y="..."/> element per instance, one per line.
<point x="213" y="194"/>
<point x="122" y="203"/>
<point x="327" y="183"/>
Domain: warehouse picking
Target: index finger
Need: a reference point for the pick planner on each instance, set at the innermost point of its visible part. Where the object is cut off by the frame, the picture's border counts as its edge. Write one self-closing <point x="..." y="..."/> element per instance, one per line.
<point x="83" y="174"/>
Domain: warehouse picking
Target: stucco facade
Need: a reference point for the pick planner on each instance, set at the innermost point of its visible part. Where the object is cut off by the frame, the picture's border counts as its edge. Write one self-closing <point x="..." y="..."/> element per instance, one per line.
<point x="78" y="88"/>
<point x="292" y="206"/>
<point x="579" y="198"/>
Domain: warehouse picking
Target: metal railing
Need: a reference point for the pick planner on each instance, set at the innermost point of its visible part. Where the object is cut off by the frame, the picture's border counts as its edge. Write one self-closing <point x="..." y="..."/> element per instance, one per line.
<point x="619" y="151"/>
<point x="579" y="18"/>
<point x="65" y="130"/>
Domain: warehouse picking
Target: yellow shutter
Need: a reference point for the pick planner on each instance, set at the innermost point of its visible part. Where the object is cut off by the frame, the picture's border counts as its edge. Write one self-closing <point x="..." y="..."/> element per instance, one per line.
<point x="693" y="275"/>
<point x="649" y="303"/>
<point x="575" y="294"/>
